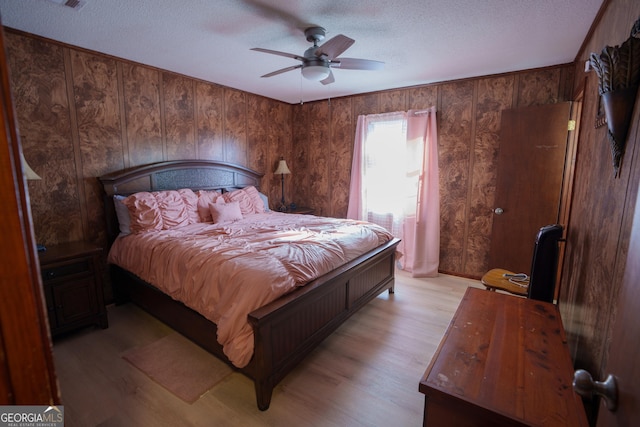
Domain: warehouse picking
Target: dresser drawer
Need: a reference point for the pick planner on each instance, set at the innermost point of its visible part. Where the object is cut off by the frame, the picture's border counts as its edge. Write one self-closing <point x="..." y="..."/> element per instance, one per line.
<point x="77" y="267"/>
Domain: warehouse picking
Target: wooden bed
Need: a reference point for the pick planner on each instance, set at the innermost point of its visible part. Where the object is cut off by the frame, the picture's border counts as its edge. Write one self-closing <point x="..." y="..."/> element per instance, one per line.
<point x="287" y="329"/>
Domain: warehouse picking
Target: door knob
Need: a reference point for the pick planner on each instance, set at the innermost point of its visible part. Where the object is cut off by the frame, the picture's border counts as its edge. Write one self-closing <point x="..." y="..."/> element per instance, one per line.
<point x="585" y="386"/>
<point x="498" y="211"/>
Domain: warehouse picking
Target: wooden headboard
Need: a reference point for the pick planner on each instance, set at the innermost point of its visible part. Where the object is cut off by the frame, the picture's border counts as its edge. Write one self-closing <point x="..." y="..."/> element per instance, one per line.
<point x="172" y="175"/>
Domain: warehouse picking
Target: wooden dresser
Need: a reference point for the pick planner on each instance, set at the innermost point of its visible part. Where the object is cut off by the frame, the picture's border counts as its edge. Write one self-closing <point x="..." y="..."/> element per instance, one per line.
<point x="504" y="361"/>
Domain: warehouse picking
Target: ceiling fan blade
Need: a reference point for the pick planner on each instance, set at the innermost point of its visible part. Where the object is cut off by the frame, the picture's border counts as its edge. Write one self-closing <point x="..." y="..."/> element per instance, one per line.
<point x="357" y="64"/>
<point x="284" y="70"/>
<point x="335" y="46"/>
<point x="275" y="13"/>
<point x="276" y="52"/>
<point x="329" y="79"/>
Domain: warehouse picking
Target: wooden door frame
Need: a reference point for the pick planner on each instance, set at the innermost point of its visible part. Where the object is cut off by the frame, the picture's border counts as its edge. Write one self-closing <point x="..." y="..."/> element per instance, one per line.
<point x="27" y="374"/>
<point x="566" y="198"/>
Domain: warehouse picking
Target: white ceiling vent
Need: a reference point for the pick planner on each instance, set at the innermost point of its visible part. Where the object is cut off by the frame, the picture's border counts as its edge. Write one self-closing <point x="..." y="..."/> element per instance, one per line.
<point x="75" y="4"/>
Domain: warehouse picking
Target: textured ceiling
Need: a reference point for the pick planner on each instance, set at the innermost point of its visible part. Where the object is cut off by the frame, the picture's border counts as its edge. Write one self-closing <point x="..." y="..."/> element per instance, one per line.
<point x="420" y="41"/>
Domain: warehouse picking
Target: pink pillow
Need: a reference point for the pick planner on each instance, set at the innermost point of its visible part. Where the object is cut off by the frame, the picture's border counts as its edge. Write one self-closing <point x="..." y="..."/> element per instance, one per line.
<point x="221" y="212"/>
<point x="243" y="199"/>
<point x="172" y="209"/>
<point x="256" y="200"/>
<point x="143" y="212"/>
<point x="204" y="198"/>
<point x="190" y="200"/>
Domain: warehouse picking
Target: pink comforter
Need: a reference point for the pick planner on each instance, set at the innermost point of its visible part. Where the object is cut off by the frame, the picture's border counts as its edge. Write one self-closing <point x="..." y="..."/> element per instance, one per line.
<point x="225" y="271"/>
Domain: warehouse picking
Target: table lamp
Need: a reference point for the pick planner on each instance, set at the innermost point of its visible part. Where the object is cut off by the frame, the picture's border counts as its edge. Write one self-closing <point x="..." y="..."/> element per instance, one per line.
<point x="282" y="170"/>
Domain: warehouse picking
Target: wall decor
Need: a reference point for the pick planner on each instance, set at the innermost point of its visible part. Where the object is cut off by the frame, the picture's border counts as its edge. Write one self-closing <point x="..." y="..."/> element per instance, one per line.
<point x="618" y="70"/>
<point x="601" y="118"/>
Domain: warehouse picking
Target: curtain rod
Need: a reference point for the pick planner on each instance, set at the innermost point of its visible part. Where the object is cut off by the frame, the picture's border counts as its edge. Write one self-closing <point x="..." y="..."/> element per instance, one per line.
<point x="416" y="112"/>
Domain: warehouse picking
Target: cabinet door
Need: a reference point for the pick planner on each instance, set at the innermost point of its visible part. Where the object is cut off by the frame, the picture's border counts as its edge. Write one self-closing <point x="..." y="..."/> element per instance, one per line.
<point x="75" y="300"/>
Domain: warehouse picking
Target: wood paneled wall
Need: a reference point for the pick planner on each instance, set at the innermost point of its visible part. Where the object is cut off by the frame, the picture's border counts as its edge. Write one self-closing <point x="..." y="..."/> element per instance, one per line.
<point x="83" y="114"/>
<point x="469" y="114"/>
<point x="602" y="208"/>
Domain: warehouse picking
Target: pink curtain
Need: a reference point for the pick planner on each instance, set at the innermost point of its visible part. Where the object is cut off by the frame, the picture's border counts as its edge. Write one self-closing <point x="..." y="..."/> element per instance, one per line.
<point x="355" y="209"/>
<point x="422" y="126"/>
<point x="420" y="232"/>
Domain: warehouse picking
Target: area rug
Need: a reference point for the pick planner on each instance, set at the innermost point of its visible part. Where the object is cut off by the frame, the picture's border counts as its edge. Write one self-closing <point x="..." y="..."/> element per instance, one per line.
<point x="179" y="365"/>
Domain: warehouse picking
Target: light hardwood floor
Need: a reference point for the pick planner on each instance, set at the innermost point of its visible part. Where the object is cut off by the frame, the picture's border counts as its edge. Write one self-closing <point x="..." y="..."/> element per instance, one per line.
<point x="365" y="374"/>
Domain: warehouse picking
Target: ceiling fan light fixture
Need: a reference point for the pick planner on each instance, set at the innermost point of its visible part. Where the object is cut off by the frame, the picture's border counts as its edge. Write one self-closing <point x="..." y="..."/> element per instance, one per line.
<point x="315" y="72"/>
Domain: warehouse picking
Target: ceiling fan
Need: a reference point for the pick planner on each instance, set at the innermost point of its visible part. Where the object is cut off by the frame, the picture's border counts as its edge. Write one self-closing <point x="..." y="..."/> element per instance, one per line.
<point x="317" y="61"/>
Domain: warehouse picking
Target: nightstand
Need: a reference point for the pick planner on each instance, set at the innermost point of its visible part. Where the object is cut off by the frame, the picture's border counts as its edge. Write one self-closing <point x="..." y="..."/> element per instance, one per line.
<point x="73" y="286"/>
<point x="301" y="210"/>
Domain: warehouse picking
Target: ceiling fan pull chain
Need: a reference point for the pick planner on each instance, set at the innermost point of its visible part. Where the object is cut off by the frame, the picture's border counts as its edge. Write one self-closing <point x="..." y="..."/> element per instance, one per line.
<point x="301" y="102"/>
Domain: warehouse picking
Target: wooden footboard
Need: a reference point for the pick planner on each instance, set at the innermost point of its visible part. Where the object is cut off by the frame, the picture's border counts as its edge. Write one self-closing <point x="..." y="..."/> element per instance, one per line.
<point x="286" y="330"/>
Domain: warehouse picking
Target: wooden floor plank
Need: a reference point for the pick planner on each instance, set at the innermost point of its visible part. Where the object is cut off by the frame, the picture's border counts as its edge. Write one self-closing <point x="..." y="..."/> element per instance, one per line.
<point x="366" y="373"/>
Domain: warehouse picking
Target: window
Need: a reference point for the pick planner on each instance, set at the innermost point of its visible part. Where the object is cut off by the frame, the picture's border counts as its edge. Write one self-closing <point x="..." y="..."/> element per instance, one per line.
<point x="394" y="183"/>
<point x="390" y="173"/>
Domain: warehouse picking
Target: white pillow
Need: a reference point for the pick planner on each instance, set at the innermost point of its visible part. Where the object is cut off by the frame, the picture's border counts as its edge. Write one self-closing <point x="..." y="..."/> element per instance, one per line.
<point x="265" y="200"/>
<point x="122" y="212"/>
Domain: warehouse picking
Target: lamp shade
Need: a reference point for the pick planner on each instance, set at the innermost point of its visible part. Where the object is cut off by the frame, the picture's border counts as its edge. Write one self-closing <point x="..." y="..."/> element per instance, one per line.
<point x="282" y="168"/>
<point x="28" y="172"/>
<point x="315" y="72"/>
